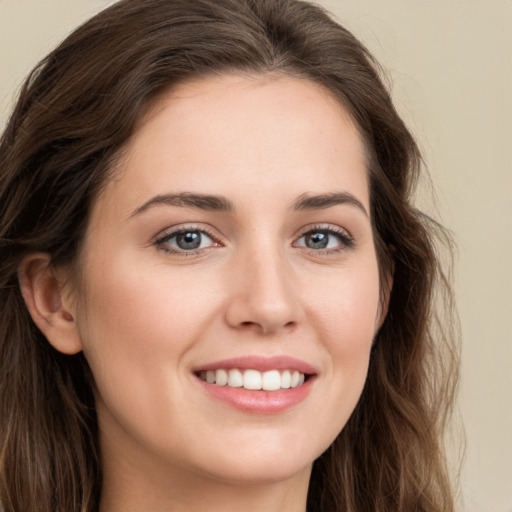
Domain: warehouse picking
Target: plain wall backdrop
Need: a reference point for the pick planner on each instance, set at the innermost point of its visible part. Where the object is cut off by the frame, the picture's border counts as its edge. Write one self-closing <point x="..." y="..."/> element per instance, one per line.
<point x="450" y="62"/>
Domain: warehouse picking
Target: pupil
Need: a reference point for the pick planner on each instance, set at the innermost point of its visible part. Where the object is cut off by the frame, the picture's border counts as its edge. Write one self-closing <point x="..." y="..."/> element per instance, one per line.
<point x="317" y="240"/>
<point x="189" y="240"/>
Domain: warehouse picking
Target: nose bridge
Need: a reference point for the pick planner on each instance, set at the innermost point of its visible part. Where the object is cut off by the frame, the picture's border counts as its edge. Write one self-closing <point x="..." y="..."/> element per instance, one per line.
<point x="263" y="292"/>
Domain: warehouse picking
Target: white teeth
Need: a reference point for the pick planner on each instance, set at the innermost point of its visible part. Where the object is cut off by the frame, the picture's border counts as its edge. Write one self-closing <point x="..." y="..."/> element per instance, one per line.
<point x="221" y="377"/>
<point x="254" y="380"/>
<point x="286" y="379"/>
<point x="235" y="379"/>
<point x="271" y="380"/>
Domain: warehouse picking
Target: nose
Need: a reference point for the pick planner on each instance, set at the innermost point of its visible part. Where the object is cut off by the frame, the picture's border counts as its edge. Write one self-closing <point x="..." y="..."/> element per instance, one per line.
<point x="263" y="294"/>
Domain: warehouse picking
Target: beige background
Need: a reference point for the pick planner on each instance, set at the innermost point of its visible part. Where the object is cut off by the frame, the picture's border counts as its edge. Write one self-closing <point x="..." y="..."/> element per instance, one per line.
<point x="451" y="65"/>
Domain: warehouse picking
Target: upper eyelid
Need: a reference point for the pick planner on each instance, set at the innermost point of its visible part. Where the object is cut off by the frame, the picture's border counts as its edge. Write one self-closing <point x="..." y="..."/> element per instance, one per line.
<point x="176" y="230"/>
<point x="333" y="228"/>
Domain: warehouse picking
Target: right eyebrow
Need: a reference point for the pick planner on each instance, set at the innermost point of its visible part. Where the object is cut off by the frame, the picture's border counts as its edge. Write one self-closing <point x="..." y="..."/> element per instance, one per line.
<point x="323" y="201"/>
<point x="188" y="200"/>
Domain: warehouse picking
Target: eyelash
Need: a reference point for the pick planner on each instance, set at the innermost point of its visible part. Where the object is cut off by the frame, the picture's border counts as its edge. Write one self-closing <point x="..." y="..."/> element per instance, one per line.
<point x="162" y="242"/>
<point x="346" y="241"/>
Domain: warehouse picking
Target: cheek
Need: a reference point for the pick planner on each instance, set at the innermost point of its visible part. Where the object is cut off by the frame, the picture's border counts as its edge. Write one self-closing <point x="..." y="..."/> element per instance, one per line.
<point x="138" y="323"/>
<point x="347" y="308"/>
<point x="346" y="321"/>
<point x="136" y="305"/>
<point x="137" y="328"/>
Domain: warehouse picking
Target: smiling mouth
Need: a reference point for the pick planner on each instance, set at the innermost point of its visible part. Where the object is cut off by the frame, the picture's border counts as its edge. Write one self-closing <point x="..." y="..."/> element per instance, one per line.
<point x="254" y="380"/>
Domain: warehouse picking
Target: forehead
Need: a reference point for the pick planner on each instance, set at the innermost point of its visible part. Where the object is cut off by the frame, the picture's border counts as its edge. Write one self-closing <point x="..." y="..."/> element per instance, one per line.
<point x="235" y="133"/>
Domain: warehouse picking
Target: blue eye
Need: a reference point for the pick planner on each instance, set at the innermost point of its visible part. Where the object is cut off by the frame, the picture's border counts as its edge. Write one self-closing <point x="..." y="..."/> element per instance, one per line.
<point x="325" y="239"/>
<point x="186" y="240"/>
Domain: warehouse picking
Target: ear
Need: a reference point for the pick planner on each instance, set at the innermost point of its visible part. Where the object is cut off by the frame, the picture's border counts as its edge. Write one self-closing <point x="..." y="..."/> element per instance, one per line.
<point x="49" y="302"/>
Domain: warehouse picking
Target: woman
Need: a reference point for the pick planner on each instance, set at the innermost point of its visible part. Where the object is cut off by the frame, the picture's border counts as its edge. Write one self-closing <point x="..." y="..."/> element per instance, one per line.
<point x="215" y="292"/>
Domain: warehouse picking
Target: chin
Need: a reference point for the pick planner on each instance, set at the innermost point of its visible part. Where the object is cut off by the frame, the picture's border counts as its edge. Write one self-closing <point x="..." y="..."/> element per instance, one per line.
<point x="254" y="473"/>
<point x="262" y="463"/>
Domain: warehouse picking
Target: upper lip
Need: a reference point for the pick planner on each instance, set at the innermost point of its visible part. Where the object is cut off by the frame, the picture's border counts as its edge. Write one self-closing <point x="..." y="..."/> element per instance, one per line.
<point x="260" y="363"/>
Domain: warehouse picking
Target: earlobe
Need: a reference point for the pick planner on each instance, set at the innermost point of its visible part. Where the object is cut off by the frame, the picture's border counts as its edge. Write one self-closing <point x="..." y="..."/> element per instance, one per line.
<point x="48" y="303"/>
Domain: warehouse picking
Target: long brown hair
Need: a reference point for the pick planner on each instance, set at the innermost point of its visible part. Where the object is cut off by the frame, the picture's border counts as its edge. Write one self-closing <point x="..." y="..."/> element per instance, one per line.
<point x="76" y="110"/>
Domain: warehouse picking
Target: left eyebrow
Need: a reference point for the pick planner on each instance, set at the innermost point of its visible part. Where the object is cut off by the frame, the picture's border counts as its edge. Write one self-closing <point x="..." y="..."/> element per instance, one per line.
<point x="321" y="201"/>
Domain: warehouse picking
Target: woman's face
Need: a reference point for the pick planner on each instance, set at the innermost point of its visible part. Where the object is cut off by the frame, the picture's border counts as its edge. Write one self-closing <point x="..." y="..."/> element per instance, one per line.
<point x="233" y="243"/>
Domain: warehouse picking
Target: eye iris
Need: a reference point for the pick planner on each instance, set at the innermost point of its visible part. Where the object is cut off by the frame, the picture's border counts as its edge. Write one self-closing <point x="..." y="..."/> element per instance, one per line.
<point x="189" y="240"/>
<point x="317" y="240"/>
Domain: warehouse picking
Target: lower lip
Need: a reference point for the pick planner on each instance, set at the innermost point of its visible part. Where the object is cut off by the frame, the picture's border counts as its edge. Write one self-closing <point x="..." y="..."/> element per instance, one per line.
<point x="259" y="402"/>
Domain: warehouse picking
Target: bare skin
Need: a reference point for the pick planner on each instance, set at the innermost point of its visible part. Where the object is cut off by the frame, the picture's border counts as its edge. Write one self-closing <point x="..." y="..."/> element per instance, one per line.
<point x="283" y="266"/>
